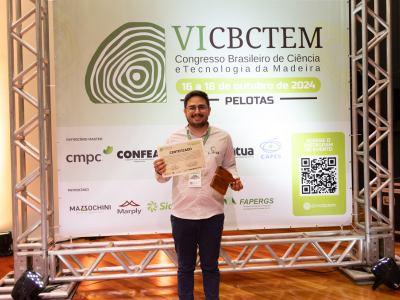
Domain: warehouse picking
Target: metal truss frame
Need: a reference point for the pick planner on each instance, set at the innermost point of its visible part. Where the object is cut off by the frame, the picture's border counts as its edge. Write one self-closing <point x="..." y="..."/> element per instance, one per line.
<point x="21" y="78"/>
<point x="377" y="126"/>
<point x="372" y="238"/>
<point x="255" y="254"/>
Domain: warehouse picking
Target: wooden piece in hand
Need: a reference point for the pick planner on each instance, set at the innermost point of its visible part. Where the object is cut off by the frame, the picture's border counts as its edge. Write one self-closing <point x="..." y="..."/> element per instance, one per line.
<point x="224" y="173"/>
<point x="221" y="180"/>
<point x="219" y="184"/>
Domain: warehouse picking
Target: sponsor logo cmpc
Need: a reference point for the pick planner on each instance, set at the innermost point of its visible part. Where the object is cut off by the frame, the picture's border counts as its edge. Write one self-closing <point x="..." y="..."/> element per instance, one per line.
<point x="83" y="158"/>
<point x="88" y="158"/>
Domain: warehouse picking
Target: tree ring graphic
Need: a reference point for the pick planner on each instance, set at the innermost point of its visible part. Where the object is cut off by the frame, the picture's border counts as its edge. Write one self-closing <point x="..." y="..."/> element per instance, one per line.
<point x="129" y="66"/>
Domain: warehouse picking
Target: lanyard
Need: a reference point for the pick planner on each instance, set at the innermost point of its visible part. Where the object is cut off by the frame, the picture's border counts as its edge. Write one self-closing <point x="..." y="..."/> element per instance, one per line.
<point x="205" y="138"/>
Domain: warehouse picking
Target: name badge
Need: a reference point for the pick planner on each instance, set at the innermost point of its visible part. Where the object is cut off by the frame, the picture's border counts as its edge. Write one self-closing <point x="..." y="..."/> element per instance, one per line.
<point x="195" y="179"/>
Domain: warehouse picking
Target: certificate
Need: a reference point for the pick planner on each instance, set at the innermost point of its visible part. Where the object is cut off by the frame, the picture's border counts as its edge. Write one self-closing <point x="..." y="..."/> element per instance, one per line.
<point x="183" y="157"/>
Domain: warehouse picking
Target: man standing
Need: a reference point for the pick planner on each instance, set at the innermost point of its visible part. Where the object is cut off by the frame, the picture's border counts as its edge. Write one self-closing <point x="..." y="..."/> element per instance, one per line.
<point x="198" y="212"/>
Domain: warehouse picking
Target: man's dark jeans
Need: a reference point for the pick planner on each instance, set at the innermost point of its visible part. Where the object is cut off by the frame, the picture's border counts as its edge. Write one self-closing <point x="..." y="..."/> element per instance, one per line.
<point x="187" y="235"/>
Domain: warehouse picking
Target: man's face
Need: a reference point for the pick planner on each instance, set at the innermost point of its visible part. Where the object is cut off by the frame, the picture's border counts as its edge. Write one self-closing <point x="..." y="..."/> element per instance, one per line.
<point x="197" y="111"/>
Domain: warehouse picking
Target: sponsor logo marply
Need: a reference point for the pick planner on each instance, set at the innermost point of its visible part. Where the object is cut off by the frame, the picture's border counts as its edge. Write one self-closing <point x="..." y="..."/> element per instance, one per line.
<point x="129" y="203"/>
<point x="129" y="211"/>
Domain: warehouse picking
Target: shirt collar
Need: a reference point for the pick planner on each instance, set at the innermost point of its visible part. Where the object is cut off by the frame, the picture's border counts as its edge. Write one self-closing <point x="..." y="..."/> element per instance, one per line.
<point x="188" y="128"/>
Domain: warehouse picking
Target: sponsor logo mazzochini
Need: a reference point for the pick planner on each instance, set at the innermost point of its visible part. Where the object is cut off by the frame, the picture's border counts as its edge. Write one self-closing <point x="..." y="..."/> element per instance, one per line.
<point x="270" y="148"/>
<point x="129" y="211"/>
<point x="89" y="208"/>
<point x="129" y="66"/>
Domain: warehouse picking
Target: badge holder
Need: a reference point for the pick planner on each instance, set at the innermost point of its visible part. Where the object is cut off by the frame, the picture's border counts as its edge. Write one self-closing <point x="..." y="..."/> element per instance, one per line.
<point x="195" y="179"/>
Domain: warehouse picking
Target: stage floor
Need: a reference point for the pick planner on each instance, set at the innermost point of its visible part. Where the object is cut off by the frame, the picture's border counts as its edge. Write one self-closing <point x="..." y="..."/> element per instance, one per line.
<point x="289" y="284"/>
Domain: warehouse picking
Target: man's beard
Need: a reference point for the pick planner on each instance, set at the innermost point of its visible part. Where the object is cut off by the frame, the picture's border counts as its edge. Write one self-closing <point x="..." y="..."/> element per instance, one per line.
<point x="197" y="125"/>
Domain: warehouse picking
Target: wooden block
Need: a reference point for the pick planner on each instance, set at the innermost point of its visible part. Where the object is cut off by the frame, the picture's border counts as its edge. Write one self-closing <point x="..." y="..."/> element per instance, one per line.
<point x="224" y="173"/>
<point x="221" y="180"/>
<point x="219" y="184"/>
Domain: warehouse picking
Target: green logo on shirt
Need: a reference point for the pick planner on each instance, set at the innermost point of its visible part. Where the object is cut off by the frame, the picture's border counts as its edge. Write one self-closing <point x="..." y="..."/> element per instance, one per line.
<point x="213" y="150"/>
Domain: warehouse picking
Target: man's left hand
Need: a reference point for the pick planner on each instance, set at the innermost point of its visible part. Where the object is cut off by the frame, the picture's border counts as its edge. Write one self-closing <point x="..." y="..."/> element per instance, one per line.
<point x="237" y="185"/>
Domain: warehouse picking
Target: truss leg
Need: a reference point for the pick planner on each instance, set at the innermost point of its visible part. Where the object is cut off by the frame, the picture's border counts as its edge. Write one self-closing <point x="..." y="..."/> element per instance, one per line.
<point x="377" y="125"/>
<point x="28" y="254"/>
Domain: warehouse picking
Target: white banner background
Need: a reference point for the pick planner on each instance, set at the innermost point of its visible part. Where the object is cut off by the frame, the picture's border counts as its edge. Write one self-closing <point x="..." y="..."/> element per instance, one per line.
<point x="109" y="194"/>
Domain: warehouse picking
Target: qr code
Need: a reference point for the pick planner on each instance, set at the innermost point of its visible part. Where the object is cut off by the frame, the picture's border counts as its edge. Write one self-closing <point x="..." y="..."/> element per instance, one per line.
<point x="319" y="175"/>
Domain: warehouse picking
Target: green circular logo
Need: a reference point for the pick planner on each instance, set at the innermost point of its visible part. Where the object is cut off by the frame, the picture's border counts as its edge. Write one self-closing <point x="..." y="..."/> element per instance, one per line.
<point x="152" y="206"/>
<point x="129" y="66"/>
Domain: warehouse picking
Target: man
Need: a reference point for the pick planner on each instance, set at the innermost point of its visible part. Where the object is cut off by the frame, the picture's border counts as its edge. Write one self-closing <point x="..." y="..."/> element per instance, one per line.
<point x="198" y="212"/>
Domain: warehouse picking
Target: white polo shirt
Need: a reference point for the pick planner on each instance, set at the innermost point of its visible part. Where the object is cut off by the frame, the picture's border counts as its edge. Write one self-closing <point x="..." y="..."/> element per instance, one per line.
<point x="203" y="202"/>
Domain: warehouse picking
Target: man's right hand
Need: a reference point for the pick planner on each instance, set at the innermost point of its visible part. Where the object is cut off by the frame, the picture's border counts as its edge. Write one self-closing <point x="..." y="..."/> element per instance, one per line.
<point x="160" y="166"/>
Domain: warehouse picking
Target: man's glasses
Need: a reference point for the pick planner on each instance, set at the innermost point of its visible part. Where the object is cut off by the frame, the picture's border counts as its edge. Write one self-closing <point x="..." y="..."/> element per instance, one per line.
<point x="192" y="108"/>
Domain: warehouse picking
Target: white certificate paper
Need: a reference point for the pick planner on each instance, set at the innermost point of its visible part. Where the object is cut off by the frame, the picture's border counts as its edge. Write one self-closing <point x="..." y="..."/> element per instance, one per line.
<point x="183" y="157"/>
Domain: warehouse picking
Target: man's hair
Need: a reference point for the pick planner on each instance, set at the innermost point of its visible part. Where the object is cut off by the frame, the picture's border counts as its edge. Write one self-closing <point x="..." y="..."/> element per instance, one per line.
<point x="196" y="93"/>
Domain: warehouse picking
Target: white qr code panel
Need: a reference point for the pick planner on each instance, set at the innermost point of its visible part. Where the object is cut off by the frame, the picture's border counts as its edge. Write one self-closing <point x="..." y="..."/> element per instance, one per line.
<point x="319" y="175"/>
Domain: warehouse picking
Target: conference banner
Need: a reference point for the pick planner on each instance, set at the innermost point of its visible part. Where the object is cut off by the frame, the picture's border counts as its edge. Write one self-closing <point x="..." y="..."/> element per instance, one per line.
<point x="277" y="74"/>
